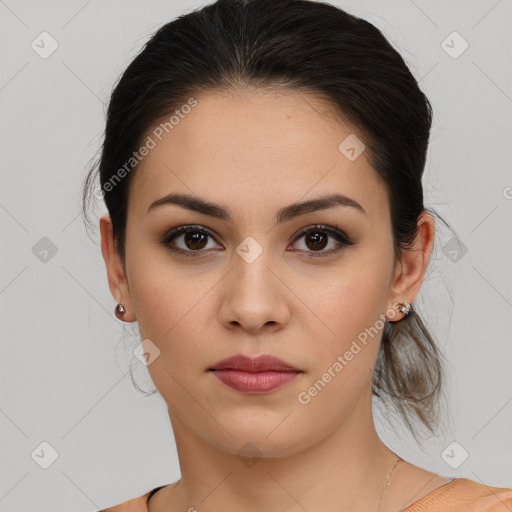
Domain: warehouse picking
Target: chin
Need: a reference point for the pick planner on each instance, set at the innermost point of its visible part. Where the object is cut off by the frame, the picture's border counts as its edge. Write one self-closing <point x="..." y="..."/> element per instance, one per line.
<point x="249" y="441"/>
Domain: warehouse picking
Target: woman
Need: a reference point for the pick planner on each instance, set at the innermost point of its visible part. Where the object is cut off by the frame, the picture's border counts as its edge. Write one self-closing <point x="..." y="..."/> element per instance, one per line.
<point x="262" y="170"/>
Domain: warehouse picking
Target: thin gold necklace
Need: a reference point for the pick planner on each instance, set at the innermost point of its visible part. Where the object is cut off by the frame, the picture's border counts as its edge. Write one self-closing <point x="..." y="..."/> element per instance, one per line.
<point x="386" y="484"/>
<point x="381" y="499"/>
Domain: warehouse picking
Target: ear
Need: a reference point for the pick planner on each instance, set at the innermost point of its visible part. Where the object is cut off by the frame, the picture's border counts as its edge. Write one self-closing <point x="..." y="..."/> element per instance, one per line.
<point x="117" y="281"/>
<point x="410" y="270"/>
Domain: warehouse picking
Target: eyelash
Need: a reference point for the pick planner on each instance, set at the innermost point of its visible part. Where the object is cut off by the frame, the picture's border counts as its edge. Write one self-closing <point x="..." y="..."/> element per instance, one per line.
<point x="338" y="235"/>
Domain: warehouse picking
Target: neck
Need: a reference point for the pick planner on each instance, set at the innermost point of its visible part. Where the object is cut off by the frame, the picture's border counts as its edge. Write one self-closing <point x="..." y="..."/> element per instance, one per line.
<point x="346" y="469"/>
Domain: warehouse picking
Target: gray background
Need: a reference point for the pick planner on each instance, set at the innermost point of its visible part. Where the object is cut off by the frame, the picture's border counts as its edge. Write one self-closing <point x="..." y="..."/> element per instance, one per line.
<point x="64" y="365"/>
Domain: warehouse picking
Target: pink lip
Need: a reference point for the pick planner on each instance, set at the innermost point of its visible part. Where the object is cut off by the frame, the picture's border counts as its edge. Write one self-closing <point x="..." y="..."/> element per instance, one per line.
<point x="254" y="375"/>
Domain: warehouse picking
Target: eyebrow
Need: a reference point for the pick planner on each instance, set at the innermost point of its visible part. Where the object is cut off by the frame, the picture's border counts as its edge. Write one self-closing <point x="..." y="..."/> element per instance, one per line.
<point x="285" y="214"/>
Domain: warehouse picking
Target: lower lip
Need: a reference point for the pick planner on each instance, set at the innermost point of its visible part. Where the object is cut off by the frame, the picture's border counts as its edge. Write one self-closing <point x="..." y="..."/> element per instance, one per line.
<point x="254" y="382"/>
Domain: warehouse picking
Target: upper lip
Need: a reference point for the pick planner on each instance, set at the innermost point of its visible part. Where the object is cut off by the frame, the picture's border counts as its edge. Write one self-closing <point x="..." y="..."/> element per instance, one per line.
<point x="260" y="363"/>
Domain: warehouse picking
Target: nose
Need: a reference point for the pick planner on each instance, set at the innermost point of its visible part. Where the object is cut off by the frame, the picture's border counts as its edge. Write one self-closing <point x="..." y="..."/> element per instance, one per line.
<point x="254" y="297"/>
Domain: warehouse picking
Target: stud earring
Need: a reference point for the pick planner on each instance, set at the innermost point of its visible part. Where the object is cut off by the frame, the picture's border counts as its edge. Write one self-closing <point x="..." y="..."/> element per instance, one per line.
<point x="120" y="309"/>
<point x="404" y="308"/>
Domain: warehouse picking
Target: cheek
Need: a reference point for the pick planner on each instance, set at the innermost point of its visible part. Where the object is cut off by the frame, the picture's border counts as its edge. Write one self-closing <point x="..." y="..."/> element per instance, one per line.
<point x="352" y="305"/>
<point x="161" y="292"/>
<point x="345" y="358"/>
<point x="152" y="300"/>
<point x="351" y="301"/>
<point x="173" y="310"/>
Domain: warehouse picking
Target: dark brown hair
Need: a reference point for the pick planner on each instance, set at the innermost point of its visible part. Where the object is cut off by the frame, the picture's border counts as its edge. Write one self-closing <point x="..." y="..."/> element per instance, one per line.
<point x="313" y="47"/>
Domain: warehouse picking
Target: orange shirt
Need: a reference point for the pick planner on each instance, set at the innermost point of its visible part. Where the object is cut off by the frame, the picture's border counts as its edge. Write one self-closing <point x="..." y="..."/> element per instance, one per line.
<point x="459" y="495"/>
<point x="464" y="495"/>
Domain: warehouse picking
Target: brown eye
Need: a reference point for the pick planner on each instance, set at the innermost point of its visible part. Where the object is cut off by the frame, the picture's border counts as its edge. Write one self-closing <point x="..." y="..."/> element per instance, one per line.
<point x="195" y="240"/>
<point x="318" y="237"/>
<point x="316" y="241"/>
<point x="188" y="240"/>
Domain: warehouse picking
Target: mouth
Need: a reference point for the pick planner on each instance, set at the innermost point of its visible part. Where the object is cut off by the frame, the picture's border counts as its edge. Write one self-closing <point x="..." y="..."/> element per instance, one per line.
<point x="254" y="375"/>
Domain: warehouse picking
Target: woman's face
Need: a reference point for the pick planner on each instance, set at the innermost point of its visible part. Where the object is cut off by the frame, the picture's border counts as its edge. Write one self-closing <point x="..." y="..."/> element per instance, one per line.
<point x="254" y="284"/>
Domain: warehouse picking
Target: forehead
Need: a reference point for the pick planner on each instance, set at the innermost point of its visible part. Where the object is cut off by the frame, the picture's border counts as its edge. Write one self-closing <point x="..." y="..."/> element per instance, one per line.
<point x="249" y="146"/>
